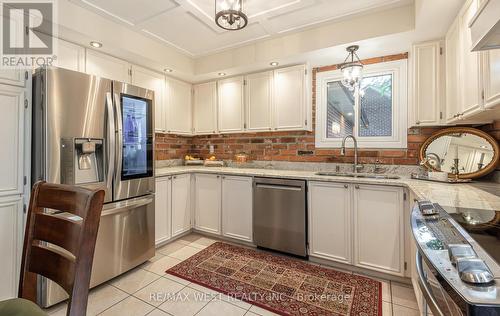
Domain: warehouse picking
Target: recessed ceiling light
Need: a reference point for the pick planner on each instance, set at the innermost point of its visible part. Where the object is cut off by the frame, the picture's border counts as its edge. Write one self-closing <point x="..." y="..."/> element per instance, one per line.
<point x="350" y="113"/>
<point x="222" y="74"/>
<point x="167" y="70"/>
<point x="95" y="44"/>
<point x="274" y="63"/>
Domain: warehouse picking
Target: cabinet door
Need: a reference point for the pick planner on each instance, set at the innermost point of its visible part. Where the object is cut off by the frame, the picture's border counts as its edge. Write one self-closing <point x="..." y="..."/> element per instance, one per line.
<point x="179" y="107"/>
<point x="12" y="77"/>
<point x="181" y="204"/>
<point x="70" y="56"/>
<point x="153" y="81"/>
<point x="330" y="221"/>
<point x="259" y="100"/>
<point x="426" y="83"/>
<point x="379" y="228"/>
<point x="11" y="229"/>
<point x="105" y="66"/>
<point x="12" y="139"/>
<point x="237" y="207"/>
<point x="491" y="78"/>
<point x="469" y="76"/>
<point x="163" y="209"/>
<point x="205" y="108"/>
<point x="453" y="96"/>
<point x="230" y="105"/>
<point x="290" y="98"/>
<point x="207" y="199"/>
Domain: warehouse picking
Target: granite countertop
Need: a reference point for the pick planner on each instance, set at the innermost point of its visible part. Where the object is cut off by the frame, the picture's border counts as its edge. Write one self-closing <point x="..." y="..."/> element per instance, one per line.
<point x="454" y="195"/>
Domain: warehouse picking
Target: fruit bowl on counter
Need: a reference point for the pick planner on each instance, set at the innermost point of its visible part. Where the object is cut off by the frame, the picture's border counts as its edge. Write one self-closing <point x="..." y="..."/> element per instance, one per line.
<point x="192" y="161"/>
<point x="213" y="162"/>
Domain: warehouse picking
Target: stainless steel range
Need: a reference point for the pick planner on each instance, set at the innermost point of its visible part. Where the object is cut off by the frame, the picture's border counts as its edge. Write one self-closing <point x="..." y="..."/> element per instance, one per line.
<point x="98" y="133"/>
<point x="458" y="258"/>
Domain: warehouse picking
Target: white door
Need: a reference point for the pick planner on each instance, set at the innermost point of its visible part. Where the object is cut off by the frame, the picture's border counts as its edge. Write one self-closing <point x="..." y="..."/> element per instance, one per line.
<point x="230" y="105"/>
<point x="470" y="61"/>
<point x="181" y="204"/>
<point x="290" y="98"/>
<point x="330" y="221"/>
<point x="106" y="66"/>
<point x="207" y="203"/>
<point x="179" y="107"/>
<point x="205" y="108"/>
<point x="70" y="56"/>
<point x="11" y="230"/>
<point x="427" y="86"/>
<point x="491" y="78"/>
<point x="153" y="81"/>
<point x="163" y="209"/>
<point x="259" y="100"/>
<point x="237" y="210"/>
<point x="379" y="228"/>
<point x="12" y="139"/>
<point x="452" y="50"/>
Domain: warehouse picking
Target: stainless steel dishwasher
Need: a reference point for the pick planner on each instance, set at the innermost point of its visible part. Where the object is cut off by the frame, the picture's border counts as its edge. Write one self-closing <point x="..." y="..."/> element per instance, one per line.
<point x="280" y="215"/>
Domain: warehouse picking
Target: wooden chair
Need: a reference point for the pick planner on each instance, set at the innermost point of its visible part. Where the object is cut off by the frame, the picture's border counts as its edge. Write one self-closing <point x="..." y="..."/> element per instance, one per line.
<point x="73" y="232"/>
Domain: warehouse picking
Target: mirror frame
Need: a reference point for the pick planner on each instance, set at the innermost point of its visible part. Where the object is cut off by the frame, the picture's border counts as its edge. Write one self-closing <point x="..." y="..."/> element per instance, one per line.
<point x="453" y="130"/>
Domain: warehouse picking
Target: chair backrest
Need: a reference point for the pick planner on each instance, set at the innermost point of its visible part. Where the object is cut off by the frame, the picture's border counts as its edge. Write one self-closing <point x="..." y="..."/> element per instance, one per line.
<point x="60" y="245"/>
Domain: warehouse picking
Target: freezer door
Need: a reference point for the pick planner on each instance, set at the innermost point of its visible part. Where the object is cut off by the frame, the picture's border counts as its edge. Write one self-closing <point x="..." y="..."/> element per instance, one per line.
<point x="134" y="110"/>
<point x="73" y="129"/>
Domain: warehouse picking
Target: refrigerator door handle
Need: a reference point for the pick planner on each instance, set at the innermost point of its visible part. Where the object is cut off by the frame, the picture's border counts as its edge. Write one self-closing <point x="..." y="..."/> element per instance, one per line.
<point x="111" y="140"/>
<point x="119" y="137"/>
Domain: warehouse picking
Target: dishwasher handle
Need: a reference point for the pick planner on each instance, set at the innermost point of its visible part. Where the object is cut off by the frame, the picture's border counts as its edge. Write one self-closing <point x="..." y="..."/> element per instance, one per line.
<point x="278" y="187"/>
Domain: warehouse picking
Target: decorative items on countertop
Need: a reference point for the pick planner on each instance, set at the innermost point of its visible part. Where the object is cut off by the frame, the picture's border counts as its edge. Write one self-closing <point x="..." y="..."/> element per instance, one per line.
<point x="241" y="158"/>
<point x="213" y="162"/>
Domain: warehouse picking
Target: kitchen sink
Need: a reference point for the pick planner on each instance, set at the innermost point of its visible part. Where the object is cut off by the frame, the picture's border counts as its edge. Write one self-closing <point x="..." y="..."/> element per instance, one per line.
<point x="358" y="175"/>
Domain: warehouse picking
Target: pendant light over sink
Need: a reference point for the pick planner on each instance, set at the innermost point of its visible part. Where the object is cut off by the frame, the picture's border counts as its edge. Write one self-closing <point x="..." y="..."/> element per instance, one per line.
<point x="229" y="14"/>
<point x="352" y="69"/>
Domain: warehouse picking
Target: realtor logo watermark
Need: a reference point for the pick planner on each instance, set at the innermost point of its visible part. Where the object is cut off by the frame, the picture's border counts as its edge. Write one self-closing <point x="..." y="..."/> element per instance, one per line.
<point x="28" y="32"/>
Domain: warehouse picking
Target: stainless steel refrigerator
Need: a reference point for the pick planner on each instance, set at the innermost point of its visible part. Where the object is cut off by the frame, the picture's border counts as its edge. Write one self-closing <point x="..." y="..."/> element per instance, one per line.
<point x="98" y="133"/>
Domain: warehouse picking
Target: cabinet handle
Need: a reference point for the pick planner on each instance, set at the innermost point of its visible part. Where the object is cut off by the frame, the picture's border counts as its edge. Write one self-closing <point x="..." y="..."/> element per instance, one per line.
<point x="417" y="122"/>
<point x="218" y="177"/>
<point x="356" y="186"/>
<point x="169" y="178"/>
<point x="175" y="177"/>
<point x="346" y="186"/>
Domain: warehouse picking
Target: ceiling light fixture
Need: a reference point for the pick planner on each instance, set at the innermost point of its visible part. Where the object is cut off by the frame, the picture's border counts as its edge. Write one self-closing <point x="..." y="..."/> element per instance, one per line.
<point x="167" y="70"/>
<point x="229" y="14"/>
<point x="95" y="44"/>
<point x="274" y="63"/>
<point x="222" y="74"/>
<point x="351" y="69"/>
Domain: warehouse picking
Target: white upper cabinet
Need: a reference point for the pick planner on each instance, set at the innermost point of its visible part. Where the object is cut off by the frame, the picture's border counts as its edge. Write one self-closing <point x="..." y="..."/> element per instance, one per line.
<point x="153" y="81"/>
<point x="379" y="228"/>
<point x="259" y="101"/>
<point x="290" y="98"/>
<point x="453" y="96"/>
<point x="330" y="227"/>
<point x="207" y="199"/>
<point x="470" y="61"/>
<point x="205" y="108"/>
<point x="428" y="87"/>
<point x="491" y="78"/>
<point x="12" y="77"/>
<point x="11" y="223"/>
<point x="12" y="139"/>
<point x="230" y="105"/>
<point x="163" y="209"/>
<point x="106" y="66"/>
<point x="179" y="106"/>
<point x="70" y="56"/>
<point x="181" y="204"/>
<point x="237" y="201"/>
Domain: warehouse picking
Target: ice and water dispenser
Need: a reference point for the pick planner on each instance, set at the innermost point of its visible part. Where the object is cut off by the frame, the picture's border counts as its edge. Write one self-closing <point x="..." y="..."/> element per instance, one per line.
<point x="82" y="160"/>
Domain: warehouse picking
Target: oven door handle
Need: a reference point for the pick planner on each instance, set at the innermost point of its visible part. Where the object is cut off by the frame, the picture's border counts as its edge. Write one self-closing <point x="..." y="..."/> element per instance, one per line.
<point x="424" y="287"/>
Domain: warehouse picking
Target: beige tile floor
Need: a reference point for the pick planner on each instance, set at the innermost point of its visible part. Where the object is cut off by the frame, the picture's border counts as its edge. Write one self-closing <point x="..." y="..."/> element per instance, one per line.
<point x="148" y="290"/>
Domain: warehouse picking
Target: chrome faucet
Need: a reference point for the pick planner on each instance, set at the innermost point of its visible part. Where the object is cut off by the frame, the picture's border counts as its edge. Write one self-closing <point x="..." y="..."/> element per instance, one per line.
<point x="355" y="167"/>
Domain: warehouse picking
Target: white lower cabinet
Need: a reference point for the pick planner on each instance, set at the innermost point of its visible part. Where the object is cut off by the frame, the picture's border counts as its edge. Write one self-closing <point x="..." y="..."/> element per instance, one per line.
<point x="330" y="221"/>
<point x="11" y="223"/>
<point x="207" y="203"/>
<point x="163" y="209"/>
<point x="379" y="228"/>
<point x="181" y="204"/>
<point x="237" y="207"/>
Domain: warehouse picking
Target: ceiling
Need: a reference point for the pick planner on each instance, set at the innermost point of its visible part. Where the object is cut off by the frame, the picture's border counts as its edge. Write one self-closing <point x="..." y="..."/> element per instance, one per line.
<point x="188" y="25"/>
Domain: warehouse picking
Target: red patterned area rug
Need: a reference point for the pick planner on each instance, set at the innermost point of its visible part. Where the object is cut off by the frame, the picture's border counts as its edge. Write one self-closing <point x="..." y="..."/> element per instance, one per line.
<point x="281" y="284"/>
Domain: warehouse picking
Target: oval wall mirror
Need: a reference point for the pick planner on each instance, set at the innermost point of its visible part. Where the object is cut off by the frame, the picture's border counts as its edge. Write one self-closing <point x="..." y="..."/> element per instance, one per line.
<point x="460" y="151"/>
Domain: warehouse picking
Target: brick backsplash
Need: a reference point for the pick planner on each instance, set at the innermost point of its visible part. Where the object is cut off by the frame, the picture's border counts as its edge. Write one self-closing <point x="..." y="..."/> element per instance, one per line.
<point x="296" y="146"/>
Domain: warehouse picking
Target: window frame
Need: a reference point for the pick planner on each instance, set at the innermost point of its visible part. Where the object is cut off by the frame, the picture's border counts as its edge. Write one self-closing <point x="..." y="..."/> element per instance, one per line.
<point x="398" y="69"/>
